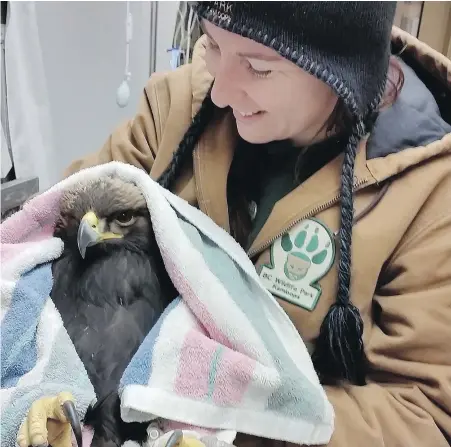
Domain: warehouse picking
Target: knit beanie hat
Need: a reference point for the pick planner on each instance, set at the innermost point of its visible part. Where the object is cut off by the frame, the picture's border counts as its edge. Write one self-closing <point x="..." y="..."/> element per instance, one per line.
<point x="347" y="46"/>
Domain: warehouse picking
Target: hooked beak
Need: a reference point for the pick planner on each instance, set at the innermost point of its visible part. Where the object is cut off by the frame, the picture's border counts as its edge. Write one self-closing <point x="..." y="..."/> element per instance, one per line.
<point x="74" y="421"/>
<point x="89" y="233"/>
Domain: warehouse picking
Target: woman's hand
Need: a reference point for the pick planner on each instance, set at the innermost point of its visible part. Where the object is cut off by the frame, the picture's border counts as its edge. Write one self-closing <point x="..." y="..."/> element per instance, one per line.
<point x="47" y="423"/>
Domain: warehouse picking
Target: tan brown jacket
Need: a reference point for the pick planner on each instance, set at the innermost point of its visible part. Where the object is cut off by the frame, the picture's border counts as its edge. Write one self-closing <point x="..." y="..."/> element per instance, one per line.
<point x="401" y="252"/>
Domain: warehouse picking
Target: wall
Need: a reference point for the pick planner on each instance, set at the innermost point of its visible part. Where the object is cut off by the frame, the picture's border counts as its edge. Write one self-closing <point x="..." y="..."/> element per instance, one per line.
<point x="83" y="46"/>
<point x="78" y="57"/>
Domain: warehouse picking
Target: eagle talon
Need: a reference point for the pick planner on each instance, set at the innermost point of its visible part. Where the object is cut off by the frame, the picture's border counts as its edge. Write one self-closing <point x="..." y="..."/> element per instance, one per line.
<point x="175" y="439"/>
<point x="74" y="421"/>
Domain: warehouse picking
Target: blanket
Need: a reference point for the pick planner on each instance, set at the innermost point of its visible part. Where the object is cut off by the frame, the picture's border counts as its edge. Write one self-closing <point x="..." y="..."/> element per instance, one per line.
<point x="224" y="355"/>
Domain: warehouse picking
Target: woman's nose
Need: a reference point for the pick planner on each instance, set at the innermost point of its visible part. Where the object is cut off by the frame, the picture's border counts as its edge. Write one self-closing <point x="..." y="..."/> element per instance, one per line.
<point x="227" y="88"/>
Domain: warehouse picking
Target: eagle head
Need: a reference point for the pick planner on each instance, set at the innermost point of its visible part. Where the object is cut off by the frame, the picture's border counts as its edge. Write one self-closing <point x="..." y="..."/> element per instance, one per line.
<point x="103" y="215"/>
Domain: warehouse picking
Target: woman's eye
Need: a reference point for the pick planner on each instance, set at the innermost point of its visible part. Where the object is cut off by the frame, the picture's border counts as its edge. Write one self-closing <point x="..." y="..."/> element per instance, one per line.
<point x="125" y="218"/>
<point x="259" y="72"/>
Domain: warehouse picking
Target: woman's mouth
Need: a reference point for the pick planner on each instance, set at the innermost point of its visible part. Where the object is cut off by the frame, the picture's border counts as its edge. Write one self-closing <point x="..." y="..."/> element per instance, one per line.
<point x="247" y="116"/>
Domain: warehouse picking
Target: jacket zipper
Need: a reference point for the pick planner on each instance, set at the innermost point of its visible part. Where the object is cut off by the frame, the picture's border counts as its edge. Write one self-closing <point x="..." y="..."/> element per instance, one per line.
<point x="357" y="186"/>
<point x="199" y="194"/>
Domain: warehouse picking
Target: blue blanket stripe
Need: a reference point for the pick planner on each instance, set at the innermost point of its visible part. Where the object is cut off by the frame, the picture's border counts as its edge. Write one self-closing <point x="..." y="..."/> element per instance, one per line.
<point x="51" y="383"/>
<point x="19" y="350"/>
<point x="27" y="302"/>
<point x="213" y="369"/>
<point x="139" y="369"/>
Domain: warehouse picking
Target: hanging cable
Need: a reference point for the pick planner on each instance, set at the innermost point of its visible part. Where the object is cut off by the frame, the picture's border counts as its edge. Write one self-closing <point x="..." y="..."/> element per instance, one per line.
<point x="123" y="92"/>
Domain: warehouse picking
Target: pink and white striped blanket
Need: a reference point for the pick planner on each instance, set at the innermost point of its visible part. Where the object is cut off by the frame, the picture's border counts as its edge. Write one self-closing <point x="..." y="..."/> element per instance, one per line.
<point x="224" y="356"/>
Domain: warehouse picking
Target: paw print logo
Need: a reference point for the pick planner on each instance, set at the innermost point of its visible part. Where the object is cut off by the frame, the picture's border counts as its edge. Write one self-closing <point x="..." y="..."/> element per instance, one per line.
<point x="299" y="259"/>
<point x="307" y="251"/>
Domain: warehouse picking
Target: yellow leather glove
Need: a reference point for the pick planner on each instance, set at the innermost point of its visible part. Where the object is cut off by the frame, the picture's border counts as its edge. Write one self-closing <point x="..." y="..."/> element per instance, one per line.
<point x="180" y="439"/>
<point x="190" y="442"/>
<point x="46" y="423"/>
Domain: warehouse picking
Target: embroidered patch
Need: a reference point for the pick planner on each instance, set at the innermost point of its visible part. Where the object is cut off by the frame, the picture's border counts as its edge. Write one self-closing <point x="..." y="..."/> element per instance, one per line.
<point x="299" y="259"/>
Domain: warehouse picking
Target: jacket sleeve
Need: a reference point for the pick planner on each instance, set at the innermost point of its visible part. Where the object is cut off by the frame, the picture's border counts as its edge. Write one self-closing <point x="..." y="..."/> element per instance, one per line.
<point x="408" y="401"/>
<point x="133" y="142"/>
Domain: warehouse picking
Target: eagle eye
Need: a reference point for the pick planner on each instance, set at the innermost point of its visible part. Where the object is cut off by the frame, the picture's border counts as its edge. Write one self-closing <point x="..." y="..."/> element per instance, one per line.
<point x="125" y="218"/>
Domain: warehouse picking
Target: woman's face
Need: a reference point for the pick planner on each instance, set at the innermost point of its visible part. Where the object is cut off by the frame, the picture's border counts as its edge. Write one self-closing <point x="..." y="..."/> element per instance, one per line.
<point x="271" y="98"/>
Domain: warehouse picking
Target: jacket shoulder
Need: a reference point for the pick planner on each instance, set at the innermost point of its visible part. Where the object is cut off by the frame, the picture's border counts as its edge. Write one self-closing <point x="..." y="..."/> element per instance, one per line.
<point x="179" y="92"/>
<point x="168" y="90"/>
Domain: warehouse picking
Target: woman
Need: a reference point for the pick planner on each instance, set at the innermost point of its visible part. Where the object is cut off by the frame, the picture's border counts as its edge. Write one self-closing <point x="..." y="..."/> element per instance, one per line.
<point x="296" y="130"/>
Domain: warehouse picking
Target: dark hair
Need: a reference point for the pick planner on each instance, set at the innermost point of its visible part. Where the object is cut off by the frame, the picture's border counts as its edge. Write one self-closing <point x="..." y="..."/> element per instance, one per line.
<point x="186" y="147"/>
<point x="341" y="120"/>
<point x="337" y="355"/>
<point x="339" y="351"/>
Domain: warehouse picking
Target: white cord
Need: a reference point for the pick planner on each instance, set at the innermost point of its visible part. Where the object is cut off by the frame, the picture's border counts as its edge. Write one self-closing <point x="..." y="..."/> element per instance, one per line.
<point x="123" y="92"/>
<point x="128" y="38"/>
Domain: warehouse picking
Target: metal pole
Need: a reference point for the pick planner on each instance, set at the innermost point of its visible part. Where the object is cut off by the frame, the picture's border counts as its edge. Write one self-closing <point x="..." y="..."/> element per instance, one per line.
<point x="153" y="35"/>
